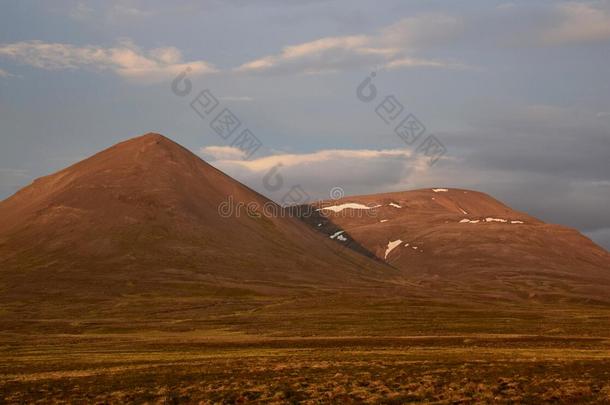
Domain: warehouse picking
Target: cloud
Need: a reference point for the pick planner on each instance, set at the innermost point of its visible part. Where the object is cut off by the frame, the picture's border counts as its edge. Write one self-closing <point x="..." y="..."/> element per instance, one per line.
<point x="546" y="160"/>
<point x="293" y="159"/>
<point x="578" y="23"/>
<point x="221" y="153"/>
<point x="538" y="158"/>
<point x="126" y="59"/>
<point x="362" y="171"/>
<point x="416" y="62"/>
<point x="391" y="47"/>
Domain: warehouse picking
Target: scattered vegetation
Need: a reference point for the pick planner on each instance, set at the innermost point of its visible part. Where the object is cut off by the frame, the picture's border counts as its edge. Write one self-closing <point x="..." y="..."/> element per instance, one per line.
<point x="204" y="368"/>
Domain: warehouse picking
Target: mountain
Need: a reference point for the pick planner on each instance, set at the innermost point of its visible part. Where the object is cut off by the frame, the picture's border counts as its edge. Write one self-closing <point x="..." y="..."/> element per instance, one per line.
<point x="469" y="239"/>
<point x="140" y="236"/>
<point x="138" y="225"/>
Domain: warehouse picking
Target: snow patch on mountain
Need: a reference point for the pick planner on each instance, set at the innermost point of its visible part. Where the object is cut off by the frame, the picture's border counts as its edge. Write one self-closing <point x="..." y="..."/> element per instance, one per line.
<point x="490" y="219"/>
<point x="334" y="235"/>
<point x="354" y="206"/>
<point x="391" y="246"/>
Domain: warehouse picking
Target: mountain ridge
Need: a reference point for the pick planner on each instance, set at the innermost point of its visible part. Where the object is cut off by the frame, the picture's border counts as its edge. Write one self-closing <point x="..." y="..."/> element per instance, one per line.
<point x="470" y="238"/>
<point x="134" y="232"/>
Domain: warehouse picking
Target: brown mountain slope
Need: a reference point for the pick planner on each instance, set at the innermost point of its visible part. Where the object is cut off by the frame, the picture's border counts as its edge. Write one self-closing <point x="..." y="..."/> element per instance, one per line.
<point x="121" y="283"/>
<point x="131" y="238"/>
<point x="470" y="239"/>
<point x="138" y="224"/>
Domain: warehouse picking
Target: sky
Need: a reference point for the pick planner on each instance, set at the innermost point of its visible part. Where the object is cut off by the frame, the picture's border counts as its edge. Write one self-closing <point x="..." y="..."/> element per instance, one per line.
<point x="515" y="95"/>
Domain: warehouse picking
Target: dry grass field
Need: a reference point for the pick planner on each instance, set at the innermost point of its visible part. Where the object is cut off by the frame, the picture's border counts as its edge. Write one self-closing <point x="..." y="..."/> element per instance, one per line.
<point x="375" y="352"/>
<point x="189" y="368"/>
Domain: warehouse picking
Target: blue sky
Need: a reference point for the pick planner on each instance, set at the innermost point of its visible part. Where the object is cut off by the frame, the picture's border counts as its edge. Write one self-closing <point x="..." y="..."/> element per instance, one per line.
<point x="517" y="92"/>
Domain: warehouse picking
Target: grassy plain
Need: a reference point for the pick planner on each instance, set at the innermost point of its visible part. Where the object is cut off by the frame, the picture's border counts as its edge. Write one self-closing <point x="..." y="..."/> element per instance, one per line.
<point x="331" y="349"/>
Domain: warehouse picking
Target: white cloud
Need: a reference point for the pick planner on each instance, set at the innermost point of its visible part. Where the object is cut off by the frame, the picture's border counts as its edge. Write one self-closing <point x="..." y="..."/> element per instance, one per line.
<point x="391" y="47"/>
<point x="292" y="159"/>
<point x="126" y="59"/>
<point x="221" y="153"/>
<point x="416" y="62"/>
<point x="356" y="171"/>
<point x="579" y="22"/>
<point x="320" y="56"/>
